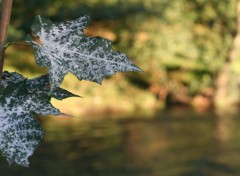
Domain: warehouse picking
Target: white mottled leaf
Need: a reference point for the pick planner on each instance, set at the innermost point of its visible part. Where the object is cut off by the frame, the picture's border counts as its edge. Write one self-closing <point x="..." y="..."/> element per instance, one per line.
<point x="63" y="48"/>
<point x="20" y="99"/>
<point x="39" y="85"/>
<point x="20" y="133"/>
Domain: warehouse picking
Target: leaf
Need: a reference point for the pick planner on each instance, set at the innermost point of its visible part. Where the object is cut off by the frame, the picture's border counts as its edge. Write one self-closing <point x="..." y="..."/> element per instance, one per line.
<point x="9" y="78"/>
<point x="19" y="137"/>
<point x="39" y="85"/>
<point x="20" y="133"/>
<point x="20" y="99"/>
<point x="63" y="48"/>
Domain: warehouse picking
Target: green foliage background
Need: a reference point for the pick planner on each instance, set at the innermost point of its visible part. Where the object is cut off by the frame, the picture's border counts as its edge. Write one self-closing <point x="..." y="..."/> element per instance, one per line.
<point x="180" y="44"/>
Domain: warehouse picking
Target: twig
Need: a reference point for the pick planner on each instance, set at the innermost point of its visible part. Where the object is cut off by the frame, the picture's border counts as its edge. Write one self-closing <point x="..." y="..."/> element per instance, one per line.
<point x="16" y="43"/>
<point x="4" y="21"/>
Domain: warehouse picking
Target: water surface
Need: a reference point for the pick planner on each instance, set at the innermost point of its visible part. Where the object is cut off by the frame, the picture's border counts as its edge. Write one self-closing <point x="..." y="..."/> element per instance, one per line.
<point x="176" y="142"/>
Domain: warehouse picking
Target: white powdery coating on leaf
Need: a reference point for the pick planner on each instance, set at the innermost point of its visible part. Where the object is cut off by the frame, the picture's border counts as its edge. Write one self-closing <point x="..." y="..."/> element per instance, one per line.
<point x="64" y="49"/>
<point x="20" y="133"/>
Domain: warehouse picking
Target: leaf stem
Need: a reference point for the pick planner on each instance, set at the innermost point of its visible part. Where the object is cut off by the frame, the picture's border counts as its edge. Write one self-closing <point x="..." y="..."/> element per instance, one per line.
<point x="16" y="43"/>
<point x="4" y="22"/>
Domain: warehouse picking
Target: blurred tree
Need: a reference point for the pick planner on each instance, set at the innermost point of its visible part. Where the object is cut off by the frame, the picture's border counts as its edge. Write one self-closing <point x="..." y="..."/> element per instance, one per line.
<point x="180" y="45"/>
<point x="228" y="81"/>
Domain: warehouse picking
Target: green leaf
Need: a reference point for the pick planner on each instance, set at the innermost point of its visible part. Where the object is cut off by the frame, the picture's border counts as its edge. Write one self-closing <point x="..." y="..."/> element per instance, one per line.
<point x="20" y="99"/>
<point x="63" y="48"/>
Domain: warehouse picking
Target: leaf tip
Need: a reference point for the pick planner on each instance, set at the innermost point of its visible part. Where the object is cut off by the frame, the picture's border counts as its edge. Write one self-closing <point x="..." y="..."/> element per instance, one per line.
<point x="137" y="69"/>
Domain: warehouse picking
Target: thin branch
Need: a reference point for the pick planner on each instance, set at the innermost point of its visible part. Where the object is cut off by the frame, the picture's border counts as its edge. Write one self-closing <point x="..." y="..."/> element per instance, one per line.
<point x="16" y="43"/>
<point x="4" y="21"/>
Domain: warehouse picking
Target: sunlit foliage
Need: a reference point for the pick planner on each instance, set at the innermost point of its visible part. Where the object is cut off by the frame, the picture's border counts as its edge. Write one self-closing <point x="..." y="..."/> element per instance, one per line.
<point x="180" y="45"/>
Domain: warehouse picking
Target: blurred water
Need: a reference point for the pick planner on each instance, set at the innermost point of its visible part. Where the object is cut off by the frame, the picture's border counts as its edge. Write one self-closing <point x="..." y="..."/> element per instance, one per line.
<point x="172" y="143"/>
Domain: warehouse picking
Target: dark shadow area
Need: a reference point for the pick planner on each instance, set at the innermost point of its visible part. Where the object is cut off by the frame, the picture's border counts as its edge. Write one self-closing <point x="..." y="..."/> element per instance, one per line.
<point x="24" y="12"/>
